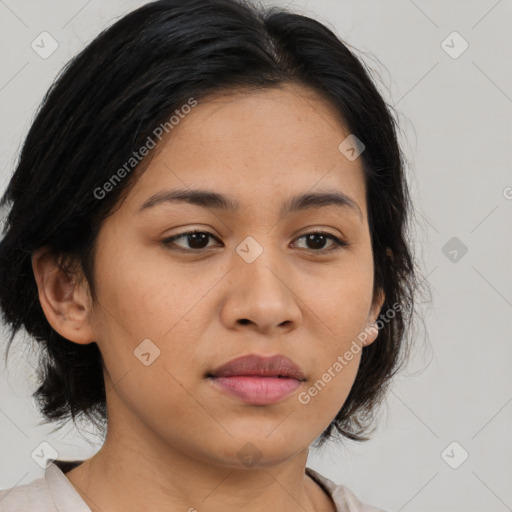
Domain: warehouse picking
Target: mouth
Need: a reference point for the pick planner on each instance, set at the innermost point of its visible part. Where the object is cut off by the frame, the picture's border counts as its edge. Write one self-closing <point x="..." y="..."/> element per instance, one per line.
<point x="257" y="380"/>
<point x="255" y="389"/>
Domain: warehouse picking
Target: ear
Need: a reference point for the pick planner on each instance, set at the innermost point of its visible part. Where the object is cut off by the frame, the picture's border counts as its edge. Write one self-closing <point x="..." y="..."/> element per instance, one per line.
<point x="65" y="303"/>
<point x="371" y="329"/>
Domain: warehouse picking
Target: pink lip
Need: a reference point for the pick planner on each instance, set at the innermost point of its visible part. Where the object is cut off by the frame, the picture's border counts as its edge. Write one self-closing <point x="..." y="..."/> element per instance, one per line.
<point x="257" y="390"/>
<point x="258" y="380"/>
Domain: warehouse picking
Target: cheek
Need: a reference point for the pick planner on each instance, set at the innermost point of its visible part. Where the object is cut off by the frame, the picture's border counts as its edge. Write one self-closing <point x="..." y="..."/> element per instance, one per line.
<point x="334" y="362"/>
<point x="150" y="312"/>
<point x="339" y="315"/>
<point x="327" y="391"/>
<point x="340" y="299"/>
<point x="144" y="296"/>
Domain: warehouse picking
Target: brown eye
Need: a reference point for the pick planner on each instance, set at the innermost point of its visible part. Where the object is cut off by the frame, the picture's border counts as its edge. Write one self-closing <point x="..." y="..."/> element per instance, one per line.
<point x="316" y="241"/>
<point x="196" y="240"/>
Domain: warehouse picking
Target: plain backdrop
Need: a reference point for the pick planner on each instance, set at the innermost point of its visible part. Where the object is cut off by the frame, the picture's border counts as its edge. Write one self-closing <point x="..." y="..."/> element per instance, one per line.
<point x="446" y="68"/>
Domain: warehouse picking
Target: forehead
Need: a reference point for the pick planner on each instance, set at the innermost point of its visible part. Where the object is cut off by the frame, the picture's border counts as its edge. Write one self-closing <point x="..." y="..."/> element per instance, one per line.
<point x="257" y="147"/>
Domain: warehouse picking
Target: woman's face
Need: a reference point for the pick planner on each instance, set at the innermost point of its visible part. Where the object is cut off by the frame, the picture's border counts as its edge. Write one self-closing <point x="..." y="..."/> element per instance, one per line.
<point x="169" y="313"/>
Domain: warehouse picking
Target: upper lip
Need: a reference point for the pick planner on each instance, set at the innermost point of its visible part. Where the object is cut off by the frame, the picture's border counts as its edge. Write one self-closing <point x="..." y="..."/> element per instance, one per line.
<point x="253" y="364"/>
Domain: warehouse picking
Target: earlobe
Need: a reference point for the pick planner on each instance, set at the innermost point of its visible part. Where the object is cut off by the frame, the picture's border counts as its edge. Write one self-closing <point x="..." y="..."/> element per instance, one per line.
<point x="371" y="328"/>
<point x="65" y="303"/>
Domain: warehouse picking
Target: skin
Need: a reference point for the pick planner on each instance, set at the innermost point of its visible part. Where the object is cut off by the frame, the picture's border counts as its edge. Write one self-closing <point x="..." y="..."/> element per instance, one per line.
<point x="173" y="440"/>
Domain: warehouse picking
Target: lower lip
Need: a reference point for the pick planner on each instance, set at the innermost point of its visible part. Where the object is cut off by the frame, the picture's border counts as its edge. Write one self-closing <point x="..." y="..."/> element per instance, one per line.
<point x="257" y="390"/>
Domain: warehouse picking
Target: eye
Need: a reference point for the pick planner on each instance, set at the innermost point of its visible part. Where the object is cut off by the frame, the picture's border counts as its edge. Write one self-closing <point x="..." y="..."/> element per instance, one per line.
<point x="317" y="240"/>
<point x="197" y="241"/>
<point x="196" y="238"/>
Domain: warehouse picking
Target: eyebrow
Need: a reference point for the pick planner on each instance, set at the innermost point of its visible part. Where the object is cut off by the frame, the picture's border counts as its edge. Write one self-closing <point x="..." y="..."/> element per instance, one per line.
<point x="215" y="201"/>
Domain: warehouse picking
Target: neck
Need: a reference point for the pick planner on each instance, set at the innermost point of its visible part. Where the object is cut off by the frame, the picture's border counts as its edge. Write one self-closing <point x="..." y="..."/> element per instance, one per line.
<point x="136" y="470"/>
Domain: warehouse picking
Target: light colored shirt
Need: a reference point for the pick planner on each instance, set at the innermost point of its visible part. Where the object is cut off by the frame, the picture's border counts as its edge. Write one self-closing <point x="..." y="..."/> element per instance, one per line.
<point x="54" y="493"/>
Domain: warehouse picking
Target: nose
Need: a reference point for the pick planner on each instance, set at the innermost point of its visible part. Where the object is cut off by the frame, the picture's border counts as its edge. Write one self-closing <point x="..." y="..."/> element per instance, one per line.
<point x="260" y="296"/>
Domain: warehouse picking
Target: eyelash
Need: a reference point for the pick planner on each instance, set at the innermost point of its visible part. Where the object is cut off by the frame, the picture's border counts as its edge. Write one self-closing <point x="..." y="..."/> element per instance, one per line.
<point x="338" y="243"/>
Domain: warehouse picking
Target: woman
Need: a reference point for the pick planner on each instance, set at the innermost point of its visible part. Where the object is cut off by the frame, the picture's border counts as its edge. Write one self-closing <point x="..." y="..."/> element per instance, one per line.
<point x="207" y="236"/>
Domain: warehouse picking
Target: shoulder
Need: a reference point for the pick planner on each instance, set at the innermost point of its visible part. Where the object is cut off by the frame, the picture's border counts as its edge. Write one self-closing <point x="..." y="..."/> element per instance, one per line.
<point x="344" y="499"/>
<point x="32" y="496"/>
<point x="51" y="493"/>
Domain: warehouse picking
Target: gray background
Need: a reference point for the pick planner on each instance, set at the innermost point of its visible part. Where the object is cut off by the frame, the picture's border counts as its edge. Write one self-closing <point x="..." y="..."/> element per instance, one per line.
<point x="455" y="115"/>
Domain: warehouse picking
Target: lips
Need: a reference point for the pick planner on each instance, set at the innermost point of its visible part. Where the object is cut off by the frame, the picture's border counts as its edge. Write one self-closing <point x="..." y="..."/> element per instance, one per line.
<point x="258" y="380"/>
<point x="254" y="365"/>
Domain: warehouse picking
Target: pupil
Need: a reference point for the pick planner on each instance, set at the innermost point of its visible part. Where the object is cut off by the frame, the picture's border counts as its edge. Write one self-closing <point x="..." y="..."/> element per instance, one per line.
<point x="197" y="239"/>
<point x="312" y="237"/>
